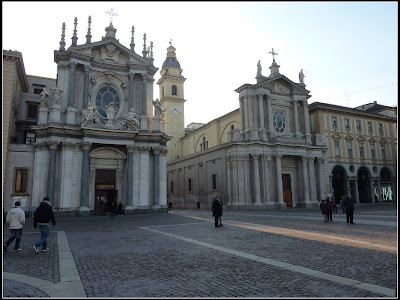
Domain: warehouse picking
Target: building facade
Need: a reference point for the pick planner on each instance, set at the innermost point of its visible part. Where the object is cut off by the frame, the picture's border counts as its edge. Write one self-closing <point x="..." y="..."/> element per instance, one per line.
<point x="362" y="155"/>
<point x="96" y="137"/>
<point x="262" y="155"/>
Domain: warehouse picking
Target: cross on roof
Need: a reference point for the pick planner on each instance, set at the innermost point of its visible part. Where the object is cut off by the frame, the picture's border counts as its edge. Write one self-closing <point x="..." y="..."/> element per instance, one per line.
<point x="273" y="54"/>
<point x="112" y="14"/>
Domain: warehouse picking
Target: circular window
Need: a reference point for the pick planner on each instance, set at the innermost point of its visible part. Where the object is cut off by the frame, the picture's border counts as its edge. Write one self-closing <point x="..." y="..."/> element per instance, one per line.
<point x="351" y="168"/>
<point x="104" y="96"/>
<point x="279" y="121"/>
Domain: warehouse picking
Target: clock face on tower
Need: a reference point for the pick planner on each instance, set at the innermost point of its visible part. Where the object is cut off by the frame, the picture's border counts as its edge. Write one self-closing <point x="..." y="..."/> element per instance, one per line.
<point x="175" y="109"/>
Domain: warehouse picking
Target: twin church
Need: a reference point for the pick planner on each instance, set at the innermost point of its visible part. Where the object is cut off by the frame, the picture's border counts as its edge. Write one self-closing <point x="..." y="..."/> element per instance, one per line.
<point x="97" y="135"/>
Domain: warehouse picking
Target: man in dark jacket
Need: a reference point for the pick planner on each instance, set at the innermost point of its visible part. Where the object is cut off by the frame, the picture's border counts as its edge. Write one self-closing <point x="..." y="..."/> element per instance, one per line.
<point x="349" y="206"/>
<point x="217" y="210"/>
<point x="43" y="215"/>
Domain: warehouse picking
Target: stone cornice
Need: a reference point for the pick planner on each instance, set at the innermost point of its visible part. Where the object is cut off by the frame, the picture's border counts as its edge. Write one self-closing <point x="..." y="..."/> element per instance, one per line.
<point x="335" y="109"/>
<point x="17" y="58"/>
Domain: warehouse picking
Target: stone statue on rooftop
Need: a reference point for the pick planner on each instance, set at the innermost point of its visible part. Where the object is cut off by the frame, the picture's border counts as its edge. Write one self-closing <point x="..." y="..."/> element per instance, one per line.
<point x="301" y="76"/>
<point x="259" y="68"/>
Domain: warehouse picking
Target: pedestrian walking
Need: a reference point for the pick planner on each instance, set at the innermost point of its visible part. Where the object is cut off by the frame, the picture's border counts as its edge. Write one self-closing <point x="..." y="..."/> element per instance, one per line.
<point x="198" y="205"/>
<point x="170" y="205"/>
<point x="43" y="215"/>
<point x="16" y="219"/>
<point x="120" y="209"/>
<point x="324" y="210"/>
<point x="349" y="206"/>
<point x="216" y="210"/>
<point x="330" y="207"/>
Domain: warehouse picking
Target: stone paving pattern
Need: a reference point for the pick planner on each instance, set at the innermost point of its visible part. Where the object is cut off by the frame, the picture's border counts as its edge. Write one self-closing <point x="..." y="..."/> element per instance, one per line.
<point x="115" y="257"/>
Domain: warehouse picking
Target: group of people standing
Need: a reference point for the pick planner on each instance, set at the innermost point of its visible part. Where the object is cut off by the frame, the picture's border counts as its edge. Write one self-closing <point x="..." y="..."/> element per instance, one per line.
<point x="328" y="205"/>
<point x="217" y="211"/>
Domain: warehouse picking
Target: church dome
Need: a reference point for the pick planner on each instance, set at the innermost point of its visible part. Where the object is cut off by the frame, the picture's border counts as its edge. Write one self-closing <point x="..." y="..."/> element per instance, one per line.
<point x="171" y="60"/>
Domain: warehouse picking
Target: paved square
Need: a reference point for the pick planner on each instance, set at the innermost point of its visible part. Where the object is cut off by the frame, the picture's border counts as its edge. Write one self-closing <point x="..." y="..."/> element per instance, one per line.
<point x="279" y="253"/>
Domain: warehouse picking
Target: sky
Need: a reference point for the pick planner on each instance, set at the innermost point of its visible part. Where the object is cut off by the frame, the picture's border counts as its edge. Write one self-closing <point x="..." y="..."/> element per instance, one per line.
<point x="348" y="50"/>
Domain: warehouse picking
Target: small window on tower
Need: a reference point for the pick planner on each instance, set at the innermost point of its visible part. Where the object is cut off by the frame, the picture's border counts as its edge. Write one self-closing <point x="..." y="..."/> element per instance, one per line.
<point x="174" y="90"/>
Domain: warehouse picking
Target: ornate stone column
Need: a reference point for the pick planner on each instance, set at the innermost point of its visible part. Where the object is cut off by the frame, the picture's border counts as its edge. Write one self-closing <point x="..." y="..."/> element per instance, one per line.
<point x="156" y="177"/>
<point x="228" y="161"/>
<point x="261" y="111"/>
<point x="131" y="92"/>
<point x="86" y="86"/>
<point x="84" y="202"/>
<point x="235" y="179"/>
<point x="321" y="178"/>
<point x="356" y="191"/>
<point x="66" y="175"/>
<point x="312" y="179"/>
<point x="144" y="177"/>
<point x="241" y="179"/>
<point x="267" y="183"/>
<point x="129" y="178"/>
<point x="297" y="132"/>
<point x="40" y="173"/>
<point x="257" y="190"/>
<point x="51" y="178"/>
<point x="250" y="112"/>
<point x="136" y="177"/>
<point x="163" y="178"/>
<point x="270" y="124"/>
<point x="71" y="87"/>
<point x="279" y="184"/>
<point x="143" y="119"/>
<point x="306" y="186"/>
<point x="243" y="117"/>
<point x="307" y="121"/>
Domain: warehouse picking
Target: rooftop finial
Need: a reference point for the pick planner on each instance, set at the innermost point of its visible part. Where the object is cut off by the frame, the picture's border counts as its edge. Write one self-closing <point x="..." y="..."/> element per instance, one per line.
<point x="62" y="43"/>
<point x="112" y="14"/>
<point x="144" y="52"/>
<point x="151" y="49"/>
<point x="170" y="42"/>
<point x="89" y="36"/>
<point x="273" y="54"/>
<point x="74" y="37"/>
<point x="132" y="43"/>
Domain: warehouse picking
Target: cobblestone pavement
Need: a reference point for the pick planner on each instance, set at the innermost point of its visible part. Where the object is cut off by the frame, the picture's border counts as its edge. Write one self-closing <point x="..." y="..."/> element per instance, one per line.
<point x="276" y="253"/>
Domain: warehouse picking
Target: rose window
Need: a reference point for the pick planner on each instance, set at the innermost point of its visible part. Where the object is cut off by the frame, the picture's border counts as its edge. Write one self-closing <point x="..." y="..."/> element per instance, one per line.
<point x="104" y="96"/>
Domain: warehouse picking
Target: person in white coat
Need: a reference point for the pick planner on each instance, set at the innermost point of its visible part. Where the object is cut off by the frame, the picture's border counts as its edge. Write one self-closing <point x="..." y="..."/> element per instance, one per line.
<point x="16" y="219"/>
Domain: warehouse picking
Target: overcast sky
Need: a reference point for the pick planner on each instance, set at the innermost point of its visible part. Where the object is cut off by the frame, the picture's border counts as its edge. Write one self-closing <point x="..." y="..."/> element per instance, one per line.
<point x="347" y="50"/>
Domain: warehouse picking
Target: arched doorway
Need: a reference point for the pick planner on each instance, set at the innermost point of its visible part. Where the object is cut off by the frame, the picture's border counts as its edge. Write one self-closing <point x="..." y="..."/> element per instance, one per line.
<point x="386" y="185"/>
<point x="339" y="177"/>
<point x="364" y="185"/>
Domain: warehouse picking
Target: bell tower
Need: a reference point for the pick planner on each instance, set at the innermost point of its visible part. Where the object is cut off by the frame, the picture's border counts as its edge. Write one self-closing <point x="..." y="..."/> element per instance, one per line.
<point x="172" y="101"/>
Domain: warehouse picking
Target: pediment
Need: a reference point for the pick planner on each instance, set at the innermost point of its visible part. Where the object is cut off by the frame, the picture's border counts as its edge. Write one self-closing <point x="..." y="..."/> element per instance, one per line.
<point x="282" y="85"/>
<point x="107" y="153"/>
<point x="110" y="50"/>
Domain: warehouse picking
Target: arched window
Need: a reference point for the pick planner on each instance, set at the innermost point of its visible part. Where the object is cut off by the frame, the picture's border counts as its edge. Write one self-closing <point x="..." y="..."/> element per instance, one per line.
<point x="279" y="121"/>
<point x="174" y="90"/>
<point x="232" y="127"/>
<point x="104" y="96"/>
<point x="163" y="91"/>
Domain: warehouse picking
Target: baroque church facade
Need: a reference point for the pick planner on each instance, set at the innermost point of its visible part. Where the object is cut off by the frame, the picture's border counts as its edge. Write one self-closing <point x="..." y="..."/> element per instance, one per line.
<point x="277" y="151"/>
<point x="260" y="156"/>
<point x="97" y="135"/>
